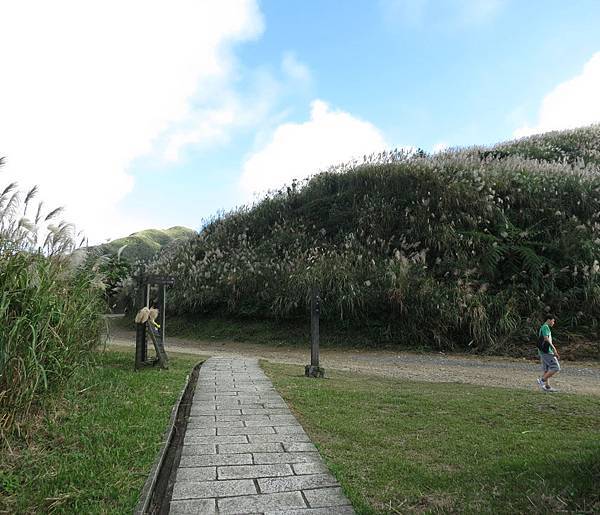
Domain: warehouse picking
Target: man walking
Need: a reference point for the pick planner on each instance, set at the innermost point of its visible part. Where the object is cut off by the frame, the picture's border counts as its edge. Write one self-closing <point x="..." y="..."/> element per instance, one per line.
<point x="548" y="354"/>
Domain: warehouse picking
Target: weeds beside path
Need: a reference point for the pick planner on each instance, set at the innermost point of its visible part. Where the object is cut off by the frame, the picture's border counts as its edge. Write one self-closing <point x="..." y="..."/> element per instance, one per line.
<point x="576" y="377"/>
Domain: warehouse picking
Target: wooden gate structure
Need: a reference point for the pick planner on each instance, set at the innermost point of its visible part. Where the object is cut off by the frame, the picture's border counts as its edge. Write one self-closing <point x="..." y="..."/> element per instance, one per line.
<point x="150" y="327"/>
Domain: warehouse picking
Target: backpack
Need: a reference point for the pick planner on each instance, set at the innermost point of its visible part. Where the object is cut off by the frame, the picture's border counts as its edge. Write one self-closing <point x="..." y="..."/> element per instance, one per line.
<point x="542" y="345"/>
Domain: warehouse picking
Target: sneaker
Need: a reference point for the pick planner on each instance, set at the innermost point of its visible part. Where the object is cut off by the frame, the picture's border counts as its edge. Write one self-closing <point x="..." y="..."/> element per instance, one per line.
<point x="550" y="389"/>
<point x="541" y="384"/>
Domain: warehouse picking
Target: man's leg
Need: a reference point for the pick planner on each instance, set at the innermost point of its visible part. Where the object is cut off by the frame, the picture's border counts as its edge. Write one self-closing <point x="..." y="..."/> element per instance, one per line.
<point x="552" y="367"/>
<point x="540" y="380"/>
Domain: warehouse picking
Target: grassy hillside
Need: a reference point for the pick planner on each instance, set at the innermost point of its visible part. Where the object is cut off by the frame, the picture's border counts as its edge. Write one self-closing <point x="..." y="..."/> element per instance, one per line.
<point x="466" y="249"/>
<point x="144" y="245"/>
<point x="573" y="146"/>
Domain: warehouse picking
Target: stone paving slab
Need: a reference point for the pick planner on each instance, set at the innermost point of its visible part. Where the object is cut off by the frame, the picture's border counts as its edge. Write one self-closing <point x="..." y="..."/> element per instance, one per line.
<point x="242" y="418"/>
<point x="260" y="503"/>
<point x="253" y="430"/>
<point x="192" y="438"/>
<point x="211" y="489"/>
<point x="322" y="497"/>
<point x="331" y="510"/>
<point x="201" y="431"/>
<point x="193" y="507"/>
<point x="254" y="471"/>
<point x="288" y="429"/>
<point x="196" y="474"/>
<point x="309" y="468"/>
<point x="199" y="449"/>
<point x="264" y="411"/>
<point x="291" y="483"/>
<point x="213" y="460"/>
<point x="299" y="447"/>
<point x="250" y="447"/>
<point x="245" y="453"/>
<point x="264" y="458"/>
<point x="265" y="422"/>
<point x="278" y="437"/>
<point x="199" y="422"/>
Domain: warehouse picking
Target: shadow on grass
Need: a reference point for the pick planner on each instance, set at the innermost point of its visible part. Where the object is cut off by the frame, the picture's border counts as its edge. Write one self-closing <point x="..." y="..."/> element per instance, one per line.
<point x="542" y="485"/>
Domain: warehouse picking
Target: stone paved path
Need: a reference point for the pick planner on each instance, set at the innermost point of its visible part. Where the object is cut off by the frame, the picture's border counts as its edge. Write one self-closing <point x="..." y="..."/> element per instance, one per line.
<point x="244" y="451"/>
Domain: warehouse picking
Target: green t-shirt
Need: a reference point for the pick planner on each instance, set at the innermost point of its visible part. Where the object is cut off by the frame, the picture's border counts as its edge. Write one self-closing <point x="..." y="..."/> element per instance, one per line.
<point x="545" y="331"/>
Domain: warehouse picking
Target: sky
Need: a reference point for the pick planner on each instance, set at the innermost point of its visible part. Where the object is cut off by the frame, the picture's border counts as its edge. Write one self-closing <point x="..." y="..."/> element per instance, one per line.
<point x="136" y="114"/>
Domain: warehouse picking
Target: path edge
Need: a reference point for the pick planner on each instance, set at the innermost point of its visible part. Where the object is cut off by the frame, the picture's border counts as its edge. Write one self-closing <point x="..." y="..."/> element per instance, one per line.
<point x="145" y="496"/>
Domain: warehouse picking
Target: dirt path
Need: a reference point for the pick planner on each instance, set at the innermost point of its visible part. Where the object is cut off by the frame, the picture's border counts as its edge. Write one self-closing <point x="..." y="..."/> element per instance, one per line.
<point x="576" y="377"/>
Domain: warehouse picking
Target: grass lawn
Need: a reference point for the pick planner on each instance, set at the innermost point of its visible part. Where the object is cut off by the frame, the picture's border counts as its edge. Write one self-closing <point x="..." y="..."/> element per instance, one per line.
<point x="405" y="447"/>
<point x="93" y="449"/>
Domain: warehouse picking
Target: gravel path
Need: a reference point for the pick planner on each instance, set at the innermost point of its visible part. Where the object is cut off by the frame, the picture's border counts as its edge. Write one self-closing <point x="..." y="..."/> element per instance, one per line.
<point x="576" y="377"/>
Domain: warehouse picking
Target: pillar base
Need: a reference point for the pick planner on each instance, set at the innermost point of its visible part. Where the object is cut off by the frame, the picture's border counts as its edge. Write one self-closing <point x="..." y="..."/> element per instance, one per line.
<point x="314" y="371"/>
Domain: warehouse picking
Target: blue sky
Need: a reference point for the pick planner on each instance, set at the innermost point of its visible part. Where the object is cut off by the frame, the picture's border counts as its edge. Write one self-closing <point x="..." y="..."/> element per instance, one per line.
<point x="195" y="107"/>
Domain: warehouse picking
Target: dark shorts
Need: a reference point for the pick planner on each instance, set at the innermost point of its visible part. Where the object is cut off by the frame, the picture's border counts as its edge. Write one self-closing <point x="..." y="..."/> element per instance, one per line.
<point x="549" y="362"/>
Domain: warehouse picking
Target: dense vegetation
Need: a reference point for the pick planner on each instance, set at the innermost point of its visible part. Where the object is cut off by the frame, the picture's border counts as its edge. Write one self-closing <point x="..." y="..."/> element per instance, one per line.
<point x="467" y="248"/>
<point x="50" y="305"/>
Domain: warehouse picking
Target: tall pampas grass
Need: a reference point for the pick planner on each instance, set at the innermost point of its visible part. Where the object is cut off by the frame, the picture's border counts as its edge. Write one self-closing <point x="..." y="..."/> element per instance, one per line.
<point x="50" y="305"/>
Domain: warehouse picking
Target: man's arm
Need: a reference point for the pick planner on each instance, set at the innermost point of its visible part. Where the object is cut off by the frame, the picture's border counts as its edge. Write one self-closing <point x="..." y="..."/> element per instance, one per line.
<point x="554" y="349"/>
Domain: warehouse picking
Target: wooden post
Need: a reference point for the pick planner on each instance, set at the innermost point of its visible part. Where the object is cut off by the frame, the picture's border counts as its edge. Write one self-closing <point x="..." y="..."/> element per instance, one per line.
<point x="164" y="314"/>
<point x="140" y="300"/>
<point x="162" y="295"/>
<point x="161" y="355"/>
<point x="314" y="370"/>
<point x="141" y="345"/>
<point x="314" y="327"/>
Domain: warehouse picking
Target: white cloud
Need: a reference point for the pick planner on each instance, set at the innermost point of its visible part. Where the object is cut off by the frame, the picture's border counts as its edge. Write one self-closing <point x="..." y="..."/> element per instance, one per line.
<point x="571" y="104"/>
<point x="209" y="125"/>
<point x="221" y="112"/>
<point x="86" y="87"/>
<point x="222" y="109"/>
<point x="297" y="150"/>
<point x="295" y="69"/>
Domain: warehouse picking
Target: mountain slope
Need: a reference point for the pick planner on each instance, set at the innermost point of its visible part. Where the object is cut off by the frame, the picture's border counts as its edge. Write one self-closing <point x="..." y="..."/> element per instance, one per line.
<point x="143" y="245"/>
